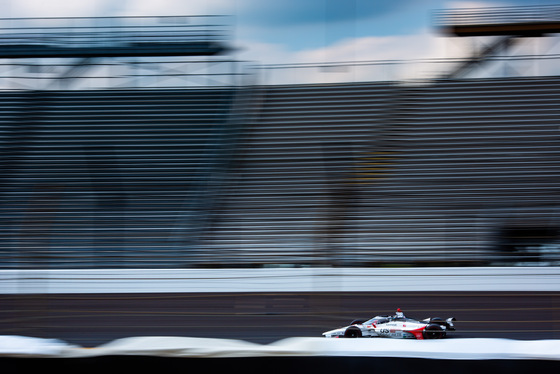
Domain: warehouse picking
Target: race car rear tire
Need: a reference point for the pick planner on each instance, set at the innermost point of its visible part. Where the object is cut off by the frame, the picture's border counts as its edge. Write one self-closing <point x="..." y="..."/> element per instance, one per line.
<point x="434" y="331"/>
<point x="353" y="332"/>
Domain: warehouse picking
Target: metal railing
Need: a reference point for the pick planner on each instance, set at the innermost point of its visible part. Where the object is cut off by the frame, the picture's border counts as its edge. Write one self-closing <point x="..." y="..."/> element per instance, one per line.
<point x="115" y="52"/>
<point x="497" y="15"/>
<point x="93" y="74"/>
<point x="87" y="31"/>
<point x="405" y="71"/>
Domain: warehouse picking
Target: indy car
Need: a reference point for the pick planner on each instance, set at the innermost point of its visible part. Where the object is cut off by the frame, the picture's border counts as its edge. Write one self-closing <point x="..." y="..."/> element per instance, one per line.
<point x="397" y="326"/>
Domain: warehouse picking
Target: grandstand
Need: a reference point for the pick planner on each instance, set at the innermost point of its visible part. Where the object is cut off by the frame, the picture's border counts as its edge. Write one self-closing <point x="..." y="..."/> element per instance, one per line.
<point x="449" y="172"/>
<point x="376" y="173"/>
<point x="98" y="178"/>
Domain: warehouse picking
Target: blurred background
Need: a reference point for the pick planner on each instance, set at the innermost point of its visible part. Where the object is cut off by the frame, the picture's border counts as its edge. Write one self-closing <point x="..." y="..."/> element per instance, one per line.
<point x="317" y="134"/>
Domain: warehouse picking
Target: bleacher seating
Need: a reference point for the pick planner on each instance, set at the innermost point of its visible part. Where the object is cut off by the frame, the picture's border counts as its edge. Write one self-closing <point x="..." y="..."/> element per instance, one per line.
<point x="108" y="178"/>
<point x="447" y="173"/>
<point x="384" y="174"/>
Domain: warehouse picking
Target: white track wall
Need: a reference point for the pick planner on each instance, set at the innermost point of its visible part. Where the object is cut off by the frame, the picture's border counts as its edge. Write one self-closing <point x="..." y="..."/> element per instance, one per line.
<point x="279" y="280"/>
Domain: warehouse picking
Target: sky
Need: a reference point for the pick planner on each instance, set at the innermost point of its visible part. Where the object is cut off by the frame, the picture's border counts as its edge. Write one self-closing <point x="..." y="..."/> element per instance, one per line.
<point x="299" y="31"/>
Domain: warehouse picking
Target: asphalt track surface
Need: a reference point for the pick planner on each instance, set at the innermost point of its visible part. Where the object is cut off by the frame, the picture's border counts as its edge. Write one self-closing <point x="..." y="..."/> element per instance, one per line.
<point x="90" y="320"/>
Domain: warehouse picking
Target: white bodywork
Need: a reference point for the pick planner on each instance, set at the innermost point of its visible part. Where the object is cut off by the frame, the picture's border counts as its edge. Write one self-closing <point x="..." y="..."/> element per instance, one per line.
<point x="391" y="327"/>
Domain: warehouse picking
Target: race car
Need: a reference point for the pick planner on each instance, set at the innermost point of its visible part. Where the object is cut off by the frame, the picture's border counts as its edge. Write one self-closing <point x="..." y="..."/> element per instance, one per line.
<point x="397" y="326"/>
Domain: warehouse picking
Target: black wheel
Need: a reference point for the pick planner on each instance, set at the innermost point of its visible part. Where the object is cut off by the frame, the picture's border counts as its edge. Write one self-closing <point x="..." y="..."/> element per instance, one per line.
<point x="434" y="331"/>
<point x="353" y="332"/>
<point x="357" y="322"/>
<point x="437" y="320"/>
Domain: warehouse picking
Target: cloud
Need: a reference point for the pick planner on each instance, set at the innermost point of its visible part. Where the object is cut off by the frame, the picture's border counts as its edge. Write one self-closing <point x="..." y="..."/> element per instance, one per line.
<point x="55" y="8"/>
<point x="477" y="4"/>
<point x="297" y="12"/>
<point x="255" y="12"/>
<point x="466" y="4"/>
<point x="99" y="8"/>
<point x="375" y="48"/>
<point x="421" y="45"/>
<point x="179" y="7"/>
<point x="355" y="59"/>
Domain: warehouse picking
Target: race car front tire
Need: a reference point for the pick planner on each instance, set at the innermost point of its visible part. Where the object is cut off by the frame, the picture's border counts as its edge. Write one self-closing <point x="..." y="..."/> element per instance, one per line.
<point x="353" y="332"/>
